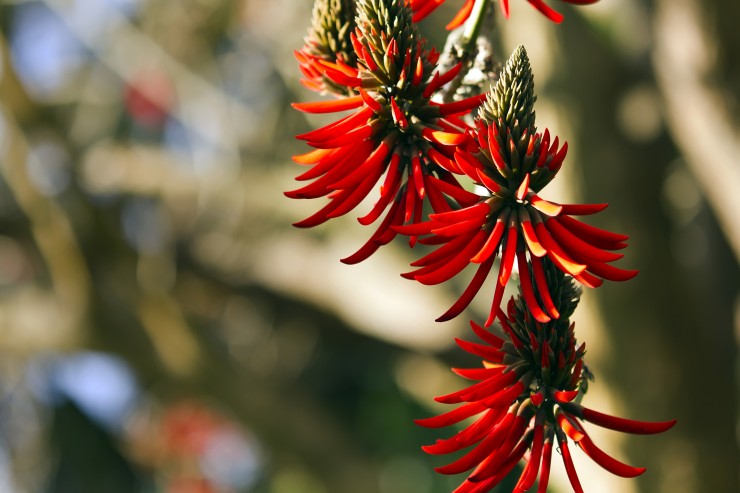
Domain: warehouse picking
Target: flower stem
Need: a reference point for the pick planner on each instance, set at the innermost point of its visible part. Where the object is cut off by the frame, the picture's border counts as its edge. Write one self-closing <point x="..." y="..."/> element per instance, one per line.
<point x="473" y="26"/>
<point x="464" y="45"/>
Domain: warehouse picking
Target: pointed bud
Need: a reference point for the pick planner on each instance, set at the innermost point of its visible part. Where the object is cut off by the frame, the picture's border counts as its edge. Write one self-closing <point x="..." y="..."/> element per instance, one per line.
<point x="512" y="99"/>
<point x="382" y="20"/>
<point x="329" y="39"/>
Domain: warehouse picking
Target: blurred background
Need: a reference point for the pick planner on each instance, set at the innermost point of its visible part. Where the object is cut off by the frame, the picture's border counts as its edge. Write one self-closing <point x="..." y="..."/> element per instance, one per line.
<point x="163" y="328"/>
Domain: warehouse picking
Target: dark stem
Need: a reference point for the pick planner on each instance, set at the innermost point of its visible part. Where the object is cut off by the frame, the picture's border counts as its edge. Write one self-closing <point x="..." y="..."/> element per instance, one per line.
<point x="471" y="44"/>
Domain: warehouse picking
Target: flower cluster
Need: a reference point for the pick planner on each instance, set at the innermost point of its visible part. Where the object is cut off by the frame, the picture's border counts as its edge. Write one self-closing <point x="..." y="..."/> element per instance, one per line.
<point x="394" y="135"/>
<point x="512" y="162"/>
<point x="525" y="400"/>
<point x="395" y="129"/>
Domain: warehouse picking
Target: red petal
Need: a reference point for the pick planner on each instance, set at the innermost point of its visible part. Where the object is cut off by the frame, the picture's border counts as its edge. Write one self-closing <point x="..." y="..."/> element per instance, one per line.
<point x="418" y="177"/>
<point x="551" y="14"/>
<point x="483" y="450"/>
<point x="382" y="236"/>
<point x="474" y="212"/>
<point x="343" y="104"/>
<point x="488" y="353"/>
<point x="521" y="192"/>
<point x="620" y="424"/>
<point x="578" y="248"/>
<point x="470" y="435"/>
<point x="588" y="280"/>
<point x="591" y="233"/>
<point x="526" y="284"/>
<point x="463" y="106"/>
<point x="357" y="194"/>
<point x="464" y="300"/>
<point x="583" y="209"/>
<point x="544" y="206"/>
<point x="427" y="7"/>
<point x="533" y="464"/>
<point x="342" y="78"/>
<point x="508" y="252"/>
<point x="530" y="237"/>
<point x="398" y="117"/>
<point x="468" y="164"/>
<point x="451" y="417"/>
<point x="352" y="137"/>
<point x="374" y="164"/>
<point x="505" y="397"/>
<point x="575" y="434"/>
<point x="455" y="265"/>
<point x="542" y="288"/>
<point x="311" y="157"/>
<point x="461" y="16"/>
<point x="569" y="467"/>
<point x="339" y="127"/>
<point x="545" y="466"/>
<point x="494" y="238"/>
<point x="486" y="336"/>
<point x="370" y="101"/>
<point x="610" y="272"/>
<point x="505" y="7"/>
<point x="487" y="181"/>
<point x="494" y="462"/>
<point x="565" y="395"/>
<point x="388" y="192"/>
<point x="458" y="193"/>
<point x="477" y="373"/>
<point x="475" y="392"/>
<point x="444" y="138"/>
<point x="556" y="254"/>
<point x="608" y="462"/>
<point x="443" y="161"/>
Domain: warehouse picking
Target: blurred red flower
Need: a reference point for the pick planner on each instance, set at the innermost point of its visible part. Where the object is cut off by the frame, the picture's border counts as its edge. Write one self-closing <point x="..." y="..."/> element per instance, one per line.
<point x="423" y="8"/>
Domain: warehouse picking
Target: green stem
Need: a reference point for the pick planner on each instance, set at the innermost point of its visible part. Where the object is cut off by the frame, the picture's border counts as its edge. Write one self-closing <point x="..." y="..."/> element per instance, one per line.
<point x="473" y="26"/>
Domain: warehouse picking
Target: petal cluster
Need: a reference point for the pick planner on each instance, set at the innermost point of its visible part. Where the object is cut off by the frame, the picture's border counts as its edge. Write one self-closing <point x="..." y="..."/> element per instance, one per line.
<point x="423" y="8"/>
<point x="394" y="130"/>
<point x="524" y="403"/>
<point x="515" y="225"/>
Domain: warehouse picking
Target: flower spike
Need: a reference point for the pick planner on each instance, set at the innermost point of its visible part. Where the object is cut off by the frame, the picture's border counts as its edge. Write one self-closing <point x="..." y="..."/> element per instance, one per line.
<point x="519" y="374"/>
<point x="395" y="135"/>
<point x="513" y="162"/>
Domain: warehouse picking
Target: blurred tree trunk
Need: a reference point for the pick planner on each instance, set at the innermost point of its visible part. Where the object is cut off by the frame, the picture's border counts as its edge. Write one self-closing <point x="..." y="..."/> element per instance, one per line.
<point x="671" y="328"/>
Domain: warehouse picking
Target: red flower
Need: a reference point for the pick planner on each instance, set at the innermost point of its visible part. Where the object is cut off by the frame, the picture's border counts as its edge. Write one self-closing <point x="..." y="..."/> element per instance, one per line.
<point x="513" y="163"/>
<point x="524" y="401"/>
<point x="423" y="8"/>
<point x="395" y="129"/>
<point x="517" y="225"/>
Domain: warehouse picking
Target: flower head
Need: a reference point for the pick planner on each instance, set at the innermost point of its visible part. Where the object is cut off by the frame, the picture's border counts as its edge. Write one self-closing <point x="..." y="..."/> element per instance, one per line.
<point x="328" y="44"/>
<point x="423" y="8"/>
<point x="512" y="163"/>
<point x="524" y="399"/>
<point x="395" y="129"/>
